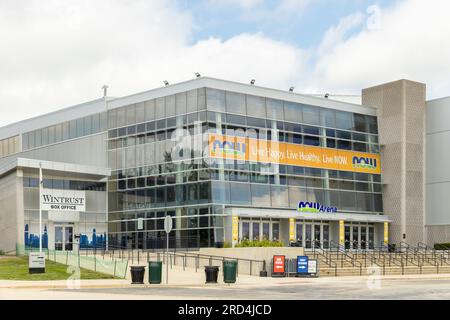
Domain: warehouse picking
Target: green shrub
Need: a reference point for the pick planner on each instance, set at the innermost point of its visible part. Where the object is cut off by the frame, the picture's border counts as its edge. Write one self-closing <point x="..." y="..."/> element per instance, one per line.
<point x="259" y="244"/>
<point x="227" y="245"/>
<point x="2" y="253"/>
<point x="442" y="246"/>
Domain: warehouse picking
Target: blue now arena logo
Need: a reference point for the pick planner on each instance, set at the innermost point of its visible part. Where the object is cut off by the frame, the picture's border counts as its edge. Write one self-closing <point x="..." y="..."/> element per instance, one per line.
<point x="315" y="207"/>
<point x="364" y="163"/>
<point x="228" y="148"/>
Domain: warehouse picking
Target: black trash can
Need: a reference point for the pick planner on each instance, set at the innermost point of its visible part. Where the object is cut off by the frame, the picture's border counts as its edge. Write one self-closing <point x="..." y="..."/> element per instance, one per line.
<point x="212" y="273"/>
<point x="137" y="274"/>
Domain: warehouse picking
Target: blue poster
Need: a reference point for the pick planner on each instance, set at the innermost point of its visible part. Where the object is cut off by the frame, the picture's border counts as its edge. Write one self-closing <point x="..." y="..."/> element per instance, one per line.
<point x="302" y="264"/>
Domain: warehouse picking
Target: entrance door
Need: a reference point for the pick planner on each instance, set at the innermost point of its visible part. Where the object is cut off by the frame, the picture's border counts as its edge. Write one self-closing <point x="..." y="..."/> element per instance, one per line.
<point x="266" y="231"/>
<point x="363" y="238"/>
<point x="355" y="237"/>
<point x="255" y="231"/>
<point x="317" y="243"/>
<point x="308" y="236"/>
<point x="63" y="238"/>
<point x="326" y="236"/>
<point x="299" y="232"/>
<point x="348" y="239"/>
<point x="371" y="238"/>
<point x="245" y="231"/>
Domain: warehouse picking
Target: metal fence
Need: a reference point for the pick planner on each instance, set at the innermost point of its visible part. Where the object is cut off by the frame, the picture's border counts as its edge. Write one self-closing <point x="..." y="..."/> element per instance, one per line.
<point x="196" y="261"/>
<point x="113" y="267"/>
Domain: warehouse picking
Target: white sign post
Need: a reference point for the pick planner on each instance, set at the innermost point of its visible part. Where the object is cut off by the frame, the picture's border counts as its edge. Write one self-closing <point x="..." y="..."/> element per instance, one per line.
<point x="36" y="262"/>
<point x="168" y="224"/>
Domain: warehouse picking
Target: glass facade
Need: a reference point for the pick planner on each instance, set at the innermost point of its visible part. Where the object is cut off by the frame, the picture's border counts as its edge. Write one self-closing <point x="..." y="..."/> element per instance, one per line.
<point x="64" y="131"/>
<point x="154" y="174"/>
<point x="148" y="183"/>
<point x="9" y="146"/>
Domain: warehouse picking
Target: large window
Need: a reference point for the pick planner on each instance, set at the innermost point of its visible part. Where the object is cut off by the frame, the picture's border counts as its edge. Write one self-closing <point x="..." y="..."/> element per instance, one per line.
<point x="67" y="130"/>
<point x="235" y="103"/>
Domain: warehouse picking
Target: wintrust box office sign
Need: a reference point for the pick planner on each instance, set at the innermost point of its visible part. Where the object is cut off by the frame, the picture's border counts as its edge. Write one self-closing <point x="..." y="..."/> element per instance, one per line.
<point x="63" y="200"/>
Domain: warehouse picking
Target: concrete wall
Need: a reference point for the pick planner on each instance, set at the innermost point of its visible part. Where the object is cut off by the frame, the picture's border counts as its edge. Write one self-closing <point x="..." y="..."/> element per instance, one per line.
<point x="265" y="254"/>
<point x="401" y="119"/>
<point x="438" y="171"/>
<point x="11" y="212"/>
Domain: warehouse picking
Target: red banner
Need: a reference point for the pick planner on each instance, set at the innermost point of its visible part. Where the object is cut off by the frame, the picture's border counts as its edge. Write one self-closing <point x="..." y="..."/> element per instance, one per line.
<point x="278" y="264"/>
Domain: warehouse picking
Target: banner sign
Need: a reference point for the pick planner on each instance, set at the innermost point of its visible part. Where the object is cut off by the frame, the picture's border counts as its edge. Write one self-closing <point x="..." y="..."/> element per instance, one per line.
<point x="386" y="233"/>
<point x="235" y="228"/>
<point x="302" y="264"/>
<point x="255" y="150"/>
<point x="63" y="200"/>
<point x="341" y="232"/>
<point x="291" y="229"/>
<point x="312" y="267"/>
<point x="278" y="265"/>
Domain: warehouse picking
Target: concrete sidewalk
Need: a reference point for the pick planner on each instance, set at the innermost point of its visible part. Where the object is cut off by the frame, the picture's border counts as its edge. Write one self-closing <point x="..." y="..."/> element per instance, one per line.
<point x="199" y="281"/>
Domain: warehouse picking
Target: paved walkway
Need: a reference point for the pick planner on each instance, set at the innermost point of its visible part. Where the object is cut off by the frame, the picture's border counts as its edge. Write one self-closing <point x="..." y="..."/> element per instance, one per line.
<point x="199" y="281"/>
<point x="397" y="288"/>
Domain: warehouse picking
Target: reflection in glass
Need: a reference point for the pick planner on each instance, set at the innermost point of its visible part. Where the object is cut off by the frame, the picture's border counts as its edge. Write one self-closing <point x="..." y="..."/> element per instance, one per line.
<point x="255" y="230"/>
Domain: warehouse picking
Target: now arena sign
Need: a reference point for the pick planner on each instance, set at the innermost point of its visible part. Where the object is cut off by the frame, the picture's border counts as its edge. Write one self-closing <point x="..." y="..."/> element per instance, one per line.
<point x="315" y="207"/>
<point x="63" y="200"/>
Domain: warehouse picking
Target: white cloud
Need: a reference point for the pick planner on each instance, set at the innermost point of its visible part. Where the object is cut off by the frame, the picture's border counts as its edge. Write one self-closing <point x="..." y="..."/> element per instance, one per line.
<point x="336" y="34"/>
<point x="55" y="55"/>
<point x="410" y="39"/>
<point x="247" y="4"/>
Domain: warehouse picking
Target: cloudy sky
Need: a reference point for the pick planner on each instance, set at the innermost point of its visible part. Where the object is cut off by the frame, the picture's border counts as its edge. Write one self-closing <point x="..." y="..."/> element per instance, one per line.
<point x="57" y="53"/>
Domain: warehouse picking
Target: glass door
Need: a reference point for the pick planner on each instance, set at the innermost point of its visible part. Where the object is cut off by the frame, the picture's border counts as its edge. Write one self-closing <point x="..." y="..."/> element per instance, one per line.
<point x="245" y="231"/>
<point x="347" y="238"/>
<point x="371" y="238"/>
<point x="266" y="231"/>
<point x="308" y="236"/>
<point x="299" y="231"/>
<point x="68" y="238"/>
<point x="59" y="239"/>
<point x="363" y="238"/>
<point x="317" y="236"/>
<point x="355" y="237"/>
<point x="255" y="231"/>
<point x="275" y="231"/>
<point x="326" y="236"/>
<point x="63" y="238"/>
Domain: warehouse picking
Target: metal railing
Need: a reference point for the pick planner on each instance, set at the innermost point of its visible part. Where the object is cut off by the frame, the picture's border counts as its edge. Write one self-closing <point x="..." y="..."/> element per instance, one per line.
<point x="326" y="257"/>
<point x="244" y="266"/>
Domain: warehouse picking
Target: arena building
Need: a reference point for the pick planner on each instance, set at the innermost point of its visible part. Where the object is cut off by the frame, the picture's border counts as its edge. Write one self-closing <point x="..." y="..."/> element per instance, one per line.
<point x="229" y="162"/>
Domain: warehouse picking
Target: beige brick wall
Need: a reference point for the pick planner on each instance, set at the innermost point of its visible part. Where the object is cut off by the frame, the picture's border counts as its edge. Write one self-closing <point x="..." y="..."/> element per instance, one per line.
<point x="401" y="118"/>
